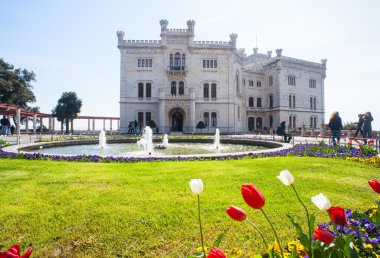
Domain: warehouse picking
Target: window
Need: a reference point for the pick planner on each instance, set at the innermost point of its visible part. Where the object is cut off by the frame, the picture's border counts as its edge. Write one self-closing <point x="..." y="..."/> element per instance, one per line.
<point x="312" y="83"/>
<point x="259" y="123"/>
<point x="250" y="83"/>
<point x="213" y="90"/>
<point x="243" y="82"/>
<point x="258" y="83"/>
<point x="258" y="102"/>
<point x="292" y="101"/>
<point x="213" y="119"/>
<point x="237" y="83"/>
<point x="205" y="90"/>
<point x="181" y="88"/>
<point x="206" y="119"/>
<point x="213" y="64"/>
<point x="292" y="80"/>
<point x="148" y="117"/>
<point x="183" y="59"/>
<point x="173" y="88"/>
<point x="144" y="62"/>
<point x="292" y="122"/>
<point x="238" y="112"/>
<point x="270" y="78"/>
<point x="141" y="90"/>
<point x="148" y="87"/>
<point x="250" y="102"/>
<point x="313" y="122"/>
<point x="313" y="103"/>
<point x="271" y="101"/>
<point x="140" y="118"/>
<point x="171" y="60"/>
<point x="177" y="59"/>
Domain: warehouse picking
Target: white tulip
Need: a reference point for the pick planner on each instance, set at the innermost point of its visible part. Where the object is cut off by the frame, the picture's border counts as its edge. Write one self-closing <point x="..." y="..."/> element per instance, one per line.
<point x="196" y="186"/>
<point x="321" y="201"/>
<point x="286" y="177"/>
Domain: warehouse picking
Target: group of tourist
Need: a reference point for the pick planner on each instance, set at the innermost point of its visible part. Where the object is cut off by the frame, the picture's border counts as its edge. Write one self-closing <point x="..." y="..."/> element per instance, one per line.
<point x="364" y="126"/>
<point x="134" y="127"/>
<point x="6" y="126"/>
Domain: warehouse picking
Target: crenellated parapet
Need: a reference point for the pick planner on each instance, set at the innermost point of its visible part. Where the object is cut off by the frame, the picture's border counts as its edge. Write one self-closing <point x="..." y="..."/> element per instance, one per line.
<point x="120" y="37"/>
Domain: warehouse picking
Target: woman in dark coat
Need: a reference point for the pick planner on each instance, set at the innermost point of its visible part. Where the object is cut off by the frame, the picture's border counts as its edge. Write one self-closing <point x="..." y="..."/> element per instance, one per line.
<point x="367" y="127"/>
<point x="336" y="127"/>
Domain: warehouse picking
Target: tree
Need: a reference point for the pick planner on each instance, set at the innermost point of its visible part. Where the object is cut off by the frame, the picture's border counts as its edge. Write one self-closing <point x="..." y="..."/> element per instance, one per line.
<point x="15" y="85"/>
<point x="201" y="125"/>
<point x="67" y="108"/>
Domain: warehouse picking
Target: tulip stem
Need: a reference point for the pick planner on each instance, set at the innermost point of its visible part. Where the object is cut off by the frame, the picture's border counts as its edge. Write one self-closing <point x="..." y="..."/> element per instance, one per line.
<point x="275" y="233"/>
<point x="200" y="225"/>
<point x="258" y="230"/>
<point x="308" y="220"/>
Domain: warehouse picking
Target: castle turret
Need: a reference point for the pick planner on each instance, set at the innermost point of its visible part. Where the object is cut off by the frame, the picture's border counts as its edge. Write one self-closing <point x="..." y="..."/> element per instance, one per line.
<point x="120" y="37"/>
<point x="279" y="52"/>
<point x="233" y="37"/>
<point x="164" y="25"/>
<point x="269" y="52"/>
<point x="190" y="26"/>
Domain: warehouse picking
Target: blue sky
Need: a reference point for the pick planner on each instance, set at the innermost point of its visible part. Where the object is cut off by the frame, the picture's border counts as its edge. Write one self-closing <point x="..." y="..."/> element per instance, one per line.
<point x="71" y="45"/>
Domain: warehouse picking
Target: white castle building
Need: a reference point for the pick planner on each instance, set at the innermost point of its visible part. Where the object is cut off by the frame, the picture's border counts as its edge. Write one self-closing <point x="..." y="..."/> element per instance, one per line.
<point x="178" y="82"/>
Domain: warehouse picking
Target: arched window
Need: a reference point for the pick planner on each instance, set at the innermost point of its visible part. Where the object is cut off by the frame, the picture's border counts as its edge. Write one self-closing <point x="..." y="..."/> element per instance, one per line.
<point x="251" y="123"/>
<point x="271" y="122"/>
<point x="258" y="102"/>
<point x="250" y="102"/>
<point x="290" y="122"/>
<point x="206" y="119"/>
<point x="205" y="90"/>
<point x="183" y="59"/>
<point x="181" y="88"/>
<point x="290" y="101"/>
<point x="294" y="122"/>
<point x="171" y="60"/>
<point x="173" y="88"/>
<point x="271" y="101"/>
<point x="294" y="101"/>
<point x="148" y="117"/>
<point x="213" y="119"/>
<point x="148" y="87"/>
<point x="141" y="90"/>
<point x="259" y="123"/>
<point x="213" y="90"/>
<point x="177" y="59"/>
<point x="311" y="103"/>
<point x="315" y="103"/>
<point x="237" y="83"/>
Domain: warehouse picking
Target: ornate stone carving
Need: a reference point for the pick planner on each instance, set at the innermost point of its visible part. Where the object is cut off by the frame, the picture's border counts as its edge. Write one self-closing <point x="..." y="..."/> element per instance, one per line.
<point x="164" y="25"/>
<point x="279" y="52"/>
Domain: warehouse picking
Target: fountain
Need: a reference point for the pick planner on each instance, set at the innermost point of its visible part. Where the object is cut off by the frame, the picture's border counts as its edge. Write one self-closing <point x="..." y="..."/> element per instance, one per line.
<point x="102" y="139"/>
<point x="217" y="139"/>
<point x="165" y="141"/>
<point x="147" y="140"/>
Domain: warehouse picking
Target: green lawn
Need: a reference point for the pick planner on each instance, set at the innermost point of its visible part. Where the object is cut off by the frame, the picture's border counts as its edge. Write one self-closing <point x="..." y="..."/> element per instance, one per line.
<point x="67" y="209"/>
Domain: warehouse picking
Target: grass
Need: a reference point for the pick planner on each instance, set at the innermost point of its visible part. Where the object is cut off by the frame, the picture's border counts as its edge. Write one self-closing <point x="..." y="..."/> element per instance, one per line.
<point x="65" y="209"/>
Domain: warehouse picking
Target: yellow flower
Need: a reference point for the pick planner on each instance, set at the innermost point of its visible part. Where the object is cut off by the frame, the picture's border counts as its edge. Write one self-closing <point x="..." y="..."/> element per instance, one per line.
<point x="374" y="206"/>
<point x="368" y="246"/>
<point x="235" y="251"/>
<point x="199" y="249"/>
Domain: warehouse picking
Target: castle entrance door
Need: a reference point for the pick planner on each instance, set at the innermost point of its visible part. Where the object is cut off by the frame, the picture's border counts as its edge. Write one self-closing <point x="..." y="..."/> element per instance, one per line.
<point x="177" y="122"/>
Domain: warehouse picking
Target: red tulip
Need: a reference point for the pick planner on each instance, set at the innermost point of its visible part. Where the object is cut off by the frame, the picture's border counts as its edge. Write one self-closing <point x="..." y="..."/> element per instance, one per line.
<point x="323" y="235"/>
<point x="216" y="253"/>
<point x="375" y="185"/>
<point x="236" y="213"/>
<point x="371" y="142"/>
<point x="337" y="215"/>
<point x="252" y="196"/>
<point x="15" y="252"/>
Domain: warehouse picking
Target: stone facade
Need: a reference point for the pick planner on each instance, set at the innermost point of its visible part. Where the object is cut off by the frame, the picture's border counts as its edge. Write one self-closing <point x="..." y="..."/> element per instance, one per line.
<point x="178" y="82"/>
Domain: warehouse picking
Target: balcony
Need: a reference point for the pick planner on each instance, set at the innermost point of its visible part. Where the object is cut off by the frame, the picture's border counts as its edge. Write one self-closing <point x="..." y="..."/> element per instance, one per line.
<point x="177" y="70"/>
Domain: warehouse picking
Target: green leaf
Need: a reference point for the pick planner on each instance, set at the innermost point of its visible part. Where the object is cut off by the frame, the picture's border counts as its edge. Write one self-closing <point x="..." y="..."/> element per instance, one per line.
<point x="304" y="239"/>
<point x="220" y="238"/>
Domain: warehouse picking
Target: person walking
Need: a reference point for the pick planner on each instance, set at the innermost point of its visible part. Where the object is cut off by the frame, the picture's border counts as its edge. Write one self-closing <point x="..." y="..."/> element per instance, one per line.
<point x="335" y="124"/>
<point x="281" y="130"/>
<point x="367" y="126"/>
<point x="5" y="125"/>
<point x="360" y="125"/>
